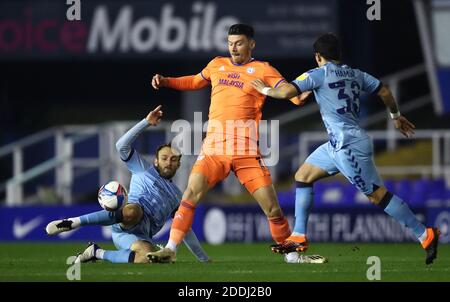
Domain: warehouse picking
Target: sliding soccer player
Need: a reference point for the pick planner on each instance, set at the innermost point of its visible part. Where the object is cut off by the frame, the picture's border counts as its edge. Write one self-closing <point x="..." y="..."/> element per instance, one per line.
<point x="152" y="200"/>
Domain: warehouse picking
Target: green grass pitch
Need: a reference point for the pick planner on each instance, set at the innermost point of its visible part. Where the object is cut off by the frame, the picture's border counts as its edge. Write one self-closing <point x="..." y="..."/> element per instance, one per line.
<point x="231" y="262"/>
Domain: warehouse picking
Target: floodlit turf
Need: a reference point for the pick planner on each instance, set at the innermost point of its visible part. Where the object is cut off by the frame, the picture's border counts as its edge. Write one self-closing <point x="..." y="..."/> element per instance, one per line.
<point x="231" y="262"/>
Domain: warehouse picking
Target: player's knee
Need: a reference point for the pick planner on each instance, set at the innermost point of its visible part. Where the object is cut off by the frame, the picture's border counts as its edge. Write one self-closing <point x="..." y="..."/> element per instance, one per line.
<point x="188" y="194"/>
<point x="192" y="195"/>
<point x="132" y="214"/>
<point x="196" y="188"/>
<point x="373" y="199"/>
<point x="377" y="196"/>
<point x="302" y="175"/>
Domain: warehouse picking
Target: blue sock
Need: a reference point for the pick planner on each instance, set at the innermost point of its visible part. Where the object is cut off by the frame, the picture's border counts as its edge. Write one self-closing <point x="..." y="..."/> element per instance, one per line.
<point x="120" y="256"/>
<point x="397" y="208"/>
<point x="101" y="218"/>
<point x="304" y="197"/>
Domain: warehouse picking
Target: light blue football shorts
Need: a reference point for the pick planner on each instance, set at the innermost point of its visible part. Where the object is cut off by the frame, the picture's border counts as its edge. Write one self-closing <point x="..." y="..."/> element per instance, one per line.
<point x="354" y="161"/>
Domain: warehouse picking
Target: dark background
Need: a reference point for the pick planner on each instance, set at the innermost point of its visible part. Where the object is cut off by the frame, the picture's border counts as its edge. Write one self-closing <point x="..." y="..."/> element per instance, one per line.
<point x="35" y="95"/>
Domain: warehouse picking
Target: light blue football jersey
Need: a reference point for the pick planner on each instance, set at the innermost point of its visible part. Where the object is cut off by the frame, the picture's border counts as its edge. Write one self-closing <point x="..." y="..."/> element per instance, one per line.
<point x="337" y="89"/>
<point x="158" y="196"/>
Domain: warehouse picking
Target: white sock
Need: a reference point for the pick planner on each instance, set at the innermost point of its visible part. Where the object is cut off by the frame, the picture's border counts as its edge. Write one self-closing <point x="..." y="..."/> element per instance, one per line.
<point x="99" y="253"/>
<point x="423" y="237"/>
<point x="171" y="245"/>
<point x="76" y="222"/>
<point x="291" y="257"/>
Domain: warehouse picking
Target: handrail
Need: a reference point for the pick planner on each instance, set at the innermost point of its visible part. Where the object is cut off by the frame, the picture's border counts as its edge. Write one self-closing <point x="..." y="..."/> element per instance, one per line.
<point x="65" y="162"/>
<point x="37" y="170"/>
<point x="405" y="73"/>
<point x="382" y="115"/>
<point x="29" y="140"/>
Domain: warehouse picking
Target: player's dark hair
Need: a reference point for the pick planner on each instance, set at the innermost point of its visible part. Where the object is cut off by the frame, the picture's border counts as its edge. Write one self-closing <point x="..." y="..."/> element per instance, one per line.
<point x="328" y="46"/>
<point x="168" y="145"/>
<point x="242" y="29"/>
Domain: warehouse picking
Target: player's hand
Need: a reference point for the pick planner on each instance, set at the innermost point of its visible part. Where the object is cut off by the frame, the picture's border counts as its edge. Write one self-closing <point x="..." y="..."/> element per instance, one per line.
<point x="303" y="96"/>
<point x="154" y="117"/>
<point x="259" y="85"/>
<point x="158" y="81"/>
<point x="404" y="126"/>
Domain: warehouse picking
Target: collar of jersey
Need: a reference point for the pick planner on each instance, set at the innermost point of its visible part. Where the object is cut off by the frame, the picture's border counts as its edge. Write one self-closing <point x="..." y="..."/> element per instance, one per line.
<point x="235" y="64"/>
<point x="340" y="65"/>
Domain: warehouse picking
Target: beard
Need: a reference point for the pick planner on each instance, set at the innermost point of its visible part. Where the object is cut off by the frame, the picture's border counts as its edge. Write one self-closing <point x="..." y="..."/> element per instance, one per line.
<point x="165" y="173"/>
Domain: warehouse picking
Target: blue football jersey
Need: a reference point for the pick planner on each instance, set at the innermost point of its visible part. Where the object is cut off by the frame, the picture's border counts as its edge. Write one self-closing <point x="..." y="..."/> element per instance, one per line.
<point x="337" y="89"/>
<point x="158" y="196"/>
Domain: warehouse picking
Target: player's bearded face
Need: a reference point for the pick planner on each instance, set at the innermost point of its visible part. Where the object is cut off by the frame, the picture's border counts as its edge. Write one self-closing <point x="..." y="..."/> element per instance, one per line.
<point x="240" y="48"/>
<point x="167" y="163"/>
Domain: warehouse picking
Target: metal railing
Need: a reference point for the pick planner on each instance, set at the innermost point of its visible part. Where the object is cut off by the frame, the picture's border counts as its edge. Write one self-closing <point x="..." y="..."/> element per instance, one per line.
<point x="64" y="163"/>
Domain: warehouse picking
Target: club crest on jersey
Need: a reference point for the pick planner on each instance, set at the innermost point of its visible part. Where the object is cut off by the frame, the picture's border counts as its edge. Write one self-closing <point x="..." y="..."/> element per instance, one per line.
<point x="302" y="77"/>
<point x="250" y="70"/>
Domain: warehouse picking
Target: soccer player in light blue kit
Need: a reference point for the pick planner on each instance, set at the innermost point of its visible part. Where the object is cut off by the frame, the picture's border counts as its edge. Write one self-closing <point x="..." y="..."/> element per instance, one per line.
<point x="337" y="89"/>
<point x="153" y="198"/>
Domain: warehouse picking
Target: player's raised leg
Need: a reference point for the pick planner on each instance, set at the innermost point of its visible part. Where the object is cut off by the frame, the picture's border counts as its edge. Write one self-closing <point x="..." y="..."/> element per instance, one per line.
<point x="400" y="211"/>
<point x="128" y="216"/>
<point x="183" y="219"/>
<point x="356" y="163"/>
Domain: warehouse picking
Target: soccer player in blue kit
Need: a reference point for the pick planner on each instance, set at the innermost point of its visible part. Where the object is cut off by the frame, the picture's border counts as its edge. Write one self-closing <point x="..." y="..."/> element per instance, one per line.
<point x="153" y="198"/>
<point x="337" y="88"/>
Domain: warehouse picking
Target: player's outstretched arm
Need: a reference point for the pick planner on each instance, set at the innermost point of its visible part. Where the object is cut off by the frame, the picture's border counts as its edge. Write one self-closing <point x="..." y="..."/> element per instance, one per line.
<point x="401" y="123"/>
<point x="285" y="91"/>
<point x="191" y="82"/>
<point x="124" y="143"/>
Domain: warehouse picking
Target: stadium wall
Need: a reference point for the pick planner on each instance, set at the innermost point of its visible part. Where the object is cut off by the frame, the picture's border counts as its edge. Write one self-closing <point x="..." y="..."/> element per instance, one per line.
<point x="220" y="224"/>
